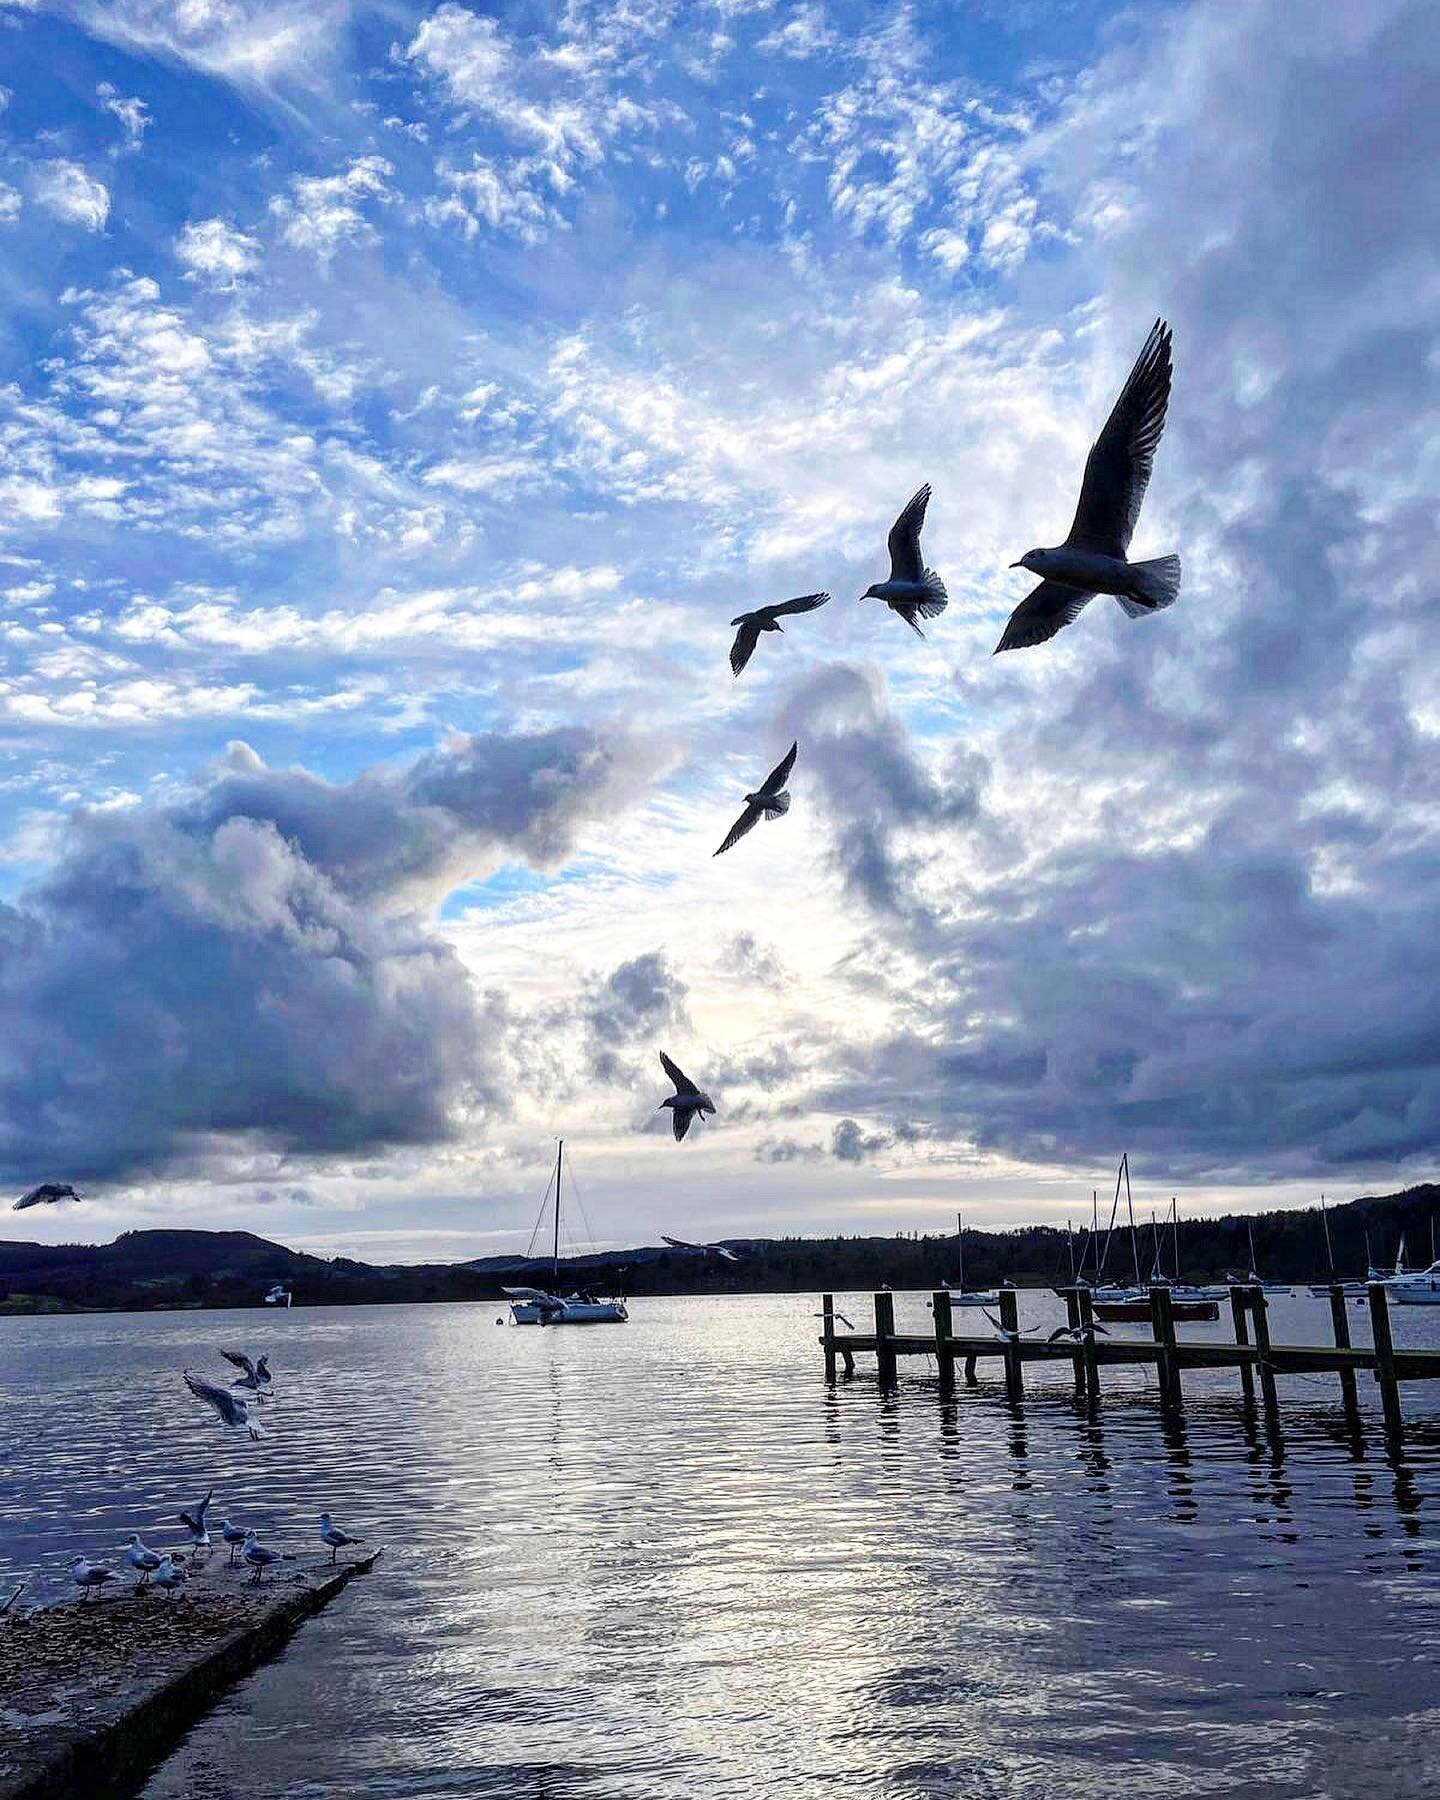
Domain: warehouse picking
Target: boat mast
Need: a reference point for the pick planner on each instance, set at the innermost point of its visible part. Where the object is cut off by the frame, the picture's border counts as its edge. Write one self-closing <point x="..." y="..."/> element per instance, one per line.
<point x="1070" y="1242"/>
<point x="1325" y="1227"/>
<point x="1130" y="1205"/>
<point x="555" y="1252"/>
<point x="1175" y="1219"/>
<point x="960" y="1246"/>
<point x="1250" y="1233"/>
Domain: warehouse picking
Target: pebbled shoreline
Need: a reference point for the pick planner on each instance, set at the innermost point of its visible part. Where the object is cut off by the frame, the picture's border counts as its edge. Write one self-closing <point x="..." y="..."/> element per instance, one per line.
<point x="94" y="1693"/>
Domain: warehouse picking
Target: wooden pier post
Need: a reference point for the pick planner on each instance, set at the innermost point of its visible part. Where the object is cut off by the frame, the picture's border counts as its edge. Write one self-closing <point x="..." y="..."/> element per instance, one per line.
<point x="944" y="1330"/>
<point x="1385" y="1359"/>
<point x="1259" y="1314"/>
<point x="1010" y="1319"/>
<point x="827" y="1333"/>
<point x="1162" y="1324"/>
<point x="884" y="1331"/>
<point x="1242" y="1337"/>
<point x="1340" y="1325"/>
<point x="1086" y="1306"/>
<point x="1072" y="1319"/>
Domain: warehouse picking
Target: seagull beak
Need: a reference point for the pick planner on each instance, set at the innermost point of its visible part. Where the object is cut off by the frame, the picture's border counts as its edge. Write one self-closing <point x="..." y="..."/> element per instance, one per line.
<point x="1017" y="565"/>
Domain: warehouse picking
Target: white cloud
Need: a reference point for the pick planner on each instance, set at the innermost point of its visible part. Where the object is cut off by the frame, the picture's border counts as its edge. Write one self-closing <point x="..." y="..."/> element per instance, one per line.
<point x="9" y="203"/>
<point x="215" y="251"/>
<point x="324" y="211"/>
<point x="133" y="114"/>
<point x="65" y="189"/>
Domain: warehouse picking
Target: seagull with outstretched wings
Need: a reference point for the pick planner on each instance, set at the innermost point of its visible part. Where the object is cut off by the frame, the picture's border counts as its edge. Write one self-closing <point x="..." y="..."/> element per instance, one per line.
<point x="687" y="1101"/>
<point x="723" y="1251"/>
<point x="767" y="618"/>
<point x="1094" y="558"/>
<point x="229" y="1408"/>
<point x="913" y="592"/>
<point x="769" y="801"/>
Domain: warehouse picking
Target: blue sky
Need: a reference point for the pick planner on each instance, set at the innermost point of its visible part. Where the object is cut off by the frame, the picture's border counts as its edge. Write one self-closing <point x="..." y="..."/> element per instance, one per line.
<point x="397" y="402"/>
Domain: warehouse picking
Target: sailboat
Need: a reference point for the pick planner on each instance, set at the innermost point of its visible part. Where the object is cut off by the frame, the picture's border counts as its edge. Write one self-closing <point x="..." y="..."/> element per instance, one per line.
<point x="537" y="1306"/>
<point x="1253" y="1278"/>
<point x="961" y="1295"/>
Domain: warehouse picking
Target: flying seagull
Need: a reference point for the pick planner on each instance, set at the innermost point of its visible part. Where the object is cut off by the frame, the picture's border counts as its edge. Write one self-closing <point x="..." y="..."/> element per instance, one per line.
<point x="835" y="1315"/>
<point x="232" y="1410"/>
<point x="256" y="1375"/>
<point x="913" y="591"/>
<point x="1092" y="560"/>
<point x="767" y="618"/>
<point x="1078" y="1332"/>
<point x="88" y="1575"/>
<point x="46" y="1194"/>
<point x="194" y="1522"/>
<point x="1004" y="1333"/>
<point x="769" y="801"/>
<point x="331" y="1533"/>
<point x="686" y="1101"/>
<point x="722" y="1251"/>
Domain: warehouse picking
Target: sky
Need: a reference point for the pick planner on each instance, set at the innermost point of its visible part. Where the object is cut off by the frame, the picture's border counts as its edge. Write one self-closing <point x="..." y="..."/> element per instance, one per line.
<point x="398" y="401"/>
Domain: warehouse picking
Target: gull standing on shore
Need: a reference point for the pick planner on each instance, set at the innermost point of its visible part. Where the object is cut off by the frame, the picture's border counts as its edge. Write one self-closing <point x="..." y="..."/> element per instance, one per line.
<point x="1092" y="560"/>
<point x="88" y="1575"/>
<point x="146" y="1562"/>
<point x="169" y="1576"/>
<point x="334" y="1536"/>
<point x="234" y="1536"/>
<point x="232" y="1410"/>
<point x="195" y="1523"/>
<point x="913" y="592"/>
<point x="259" y="1558"/>
<point x="687" y="1101"/>
<point x="767" y="618"/>
<point x="769" y="801"/>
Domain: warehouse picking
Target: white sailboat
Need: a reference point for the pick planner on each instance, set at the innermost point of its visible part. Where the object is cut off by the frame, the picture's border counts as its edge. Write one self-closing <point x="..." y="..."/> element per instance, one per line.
<point x="961" y="1295"/>
<point x="540" y="1306"/>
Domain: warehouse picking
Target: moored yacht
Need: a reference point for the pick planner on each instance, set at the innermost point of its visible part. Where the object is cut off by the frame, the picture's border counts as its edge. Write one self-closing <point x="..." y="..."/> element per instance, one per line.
<point x="540" y="1306"/>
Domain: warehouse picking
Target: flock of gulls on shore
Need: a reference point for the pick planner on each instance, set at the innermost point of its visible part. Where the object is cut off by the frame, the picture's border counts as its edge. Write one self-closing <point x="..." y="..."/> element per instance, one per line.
<point x="167" y="1570"/>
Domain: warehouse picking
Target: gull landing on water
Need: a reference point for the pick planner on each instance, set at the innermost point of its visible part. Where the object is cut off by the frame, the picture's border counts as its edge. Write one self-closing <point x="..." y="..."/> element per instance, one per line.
<point x="687" y="1101"/>
<point x="913" y="592"/>
<point x="1093" y="559"/>
<point x="767" y="618"/>
<point x="232" y="1410"/>
<point x="769" y="801"/>
<point x="256" y="1376"/>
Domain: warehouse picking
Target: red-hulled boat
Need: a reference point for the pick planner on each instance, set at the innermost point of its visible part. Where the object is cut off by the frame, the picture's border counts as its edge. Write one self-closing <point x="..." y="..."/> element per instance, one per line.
<point x="1195" y="1312"/>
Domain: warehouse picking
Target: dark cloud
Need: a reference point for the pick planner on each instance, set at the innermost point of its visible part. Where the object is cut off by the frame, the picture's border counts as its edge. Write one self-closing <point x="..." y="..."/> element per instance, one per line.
<point x="246" y="966"/>
<point x="639" y="1003"/>
<point x="1210" y="941"/>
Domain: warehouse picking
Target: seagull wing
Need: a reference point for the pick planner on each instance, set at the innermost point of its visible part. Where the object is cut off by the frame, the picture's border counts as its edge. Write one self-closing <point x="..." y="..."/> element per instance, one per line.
<point x="1044" y="611"/>
<point x="537" y="1296"/>
<point x="907" y="609"/>
<point x="683" y="1083"/>
<point x="1117" y="471"/>
<point x="231" y="1410"/>
<point x="240" y="1361"/>
<point x="1095" y="1325"/>
<point x="803" y="604"/>
<point x="906" y="563"/>
<point x="780" y="774"/>
<point x="746" y="638"/>
<point x="678" y="1243"/>
<point x="746" y="822"/>
<point x="991" y="1317"/>
<point x="680" y="1118"/>
<point x="1059" y="1332"/>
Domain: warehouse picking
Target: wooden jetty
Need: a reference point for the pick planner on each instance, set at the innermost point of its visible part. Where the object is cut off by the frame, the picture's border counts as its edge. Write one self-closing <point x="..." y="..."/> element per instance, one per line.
<point x="1257" y="1360"/>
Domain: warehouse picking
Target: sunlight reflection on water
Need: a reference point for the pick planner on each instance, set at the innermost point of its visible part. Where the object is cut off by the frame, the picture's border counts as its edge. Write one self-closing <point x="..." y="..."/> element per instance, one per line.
<point x="663" y="1559"/>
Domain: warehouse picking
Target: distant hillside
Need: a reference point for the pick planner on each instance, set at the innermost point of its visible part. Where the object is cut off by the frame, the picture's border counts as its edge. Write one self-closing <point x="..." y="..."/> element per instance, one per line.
<point x="154" y="1269"/>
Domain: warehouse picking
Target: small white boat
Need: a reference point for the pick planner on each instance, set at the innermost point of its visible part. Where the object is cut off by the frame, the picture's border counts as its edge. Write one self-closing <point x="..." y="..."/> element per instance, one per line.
<point x="1422" y="1288"/>
<point x="961" y="1295"/>
<point x="540" y="1306"/>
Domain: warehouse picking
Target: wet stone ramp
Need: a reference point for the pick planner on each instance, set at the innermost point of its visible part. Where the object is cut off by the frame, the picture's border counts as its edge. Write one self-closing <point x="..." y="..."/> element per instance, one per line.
<point x="94" y="1693"/>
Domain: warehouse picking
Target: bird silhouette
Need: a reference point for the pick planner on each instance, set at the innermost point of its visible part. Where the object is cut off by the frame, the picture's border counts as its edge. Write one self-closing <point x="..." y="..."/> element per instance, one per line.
<point x="913" y="591"/>
<point x="769" y="801"/>
<point x="767" y="618"/>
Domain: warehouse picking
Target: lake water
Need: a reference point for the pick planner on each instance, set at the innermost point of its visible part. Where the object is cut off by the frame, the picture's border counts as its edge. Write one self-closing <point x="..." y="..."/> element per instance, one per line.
<point x="664" y="1559"/>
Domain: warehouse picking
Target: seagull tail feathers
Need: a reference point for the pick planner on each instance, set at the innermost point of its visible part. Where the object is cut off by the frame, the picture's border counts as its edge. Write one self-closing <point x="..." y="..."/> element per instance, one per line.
<point x="935" y="592"/>
<point x="1156" y="586"/>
